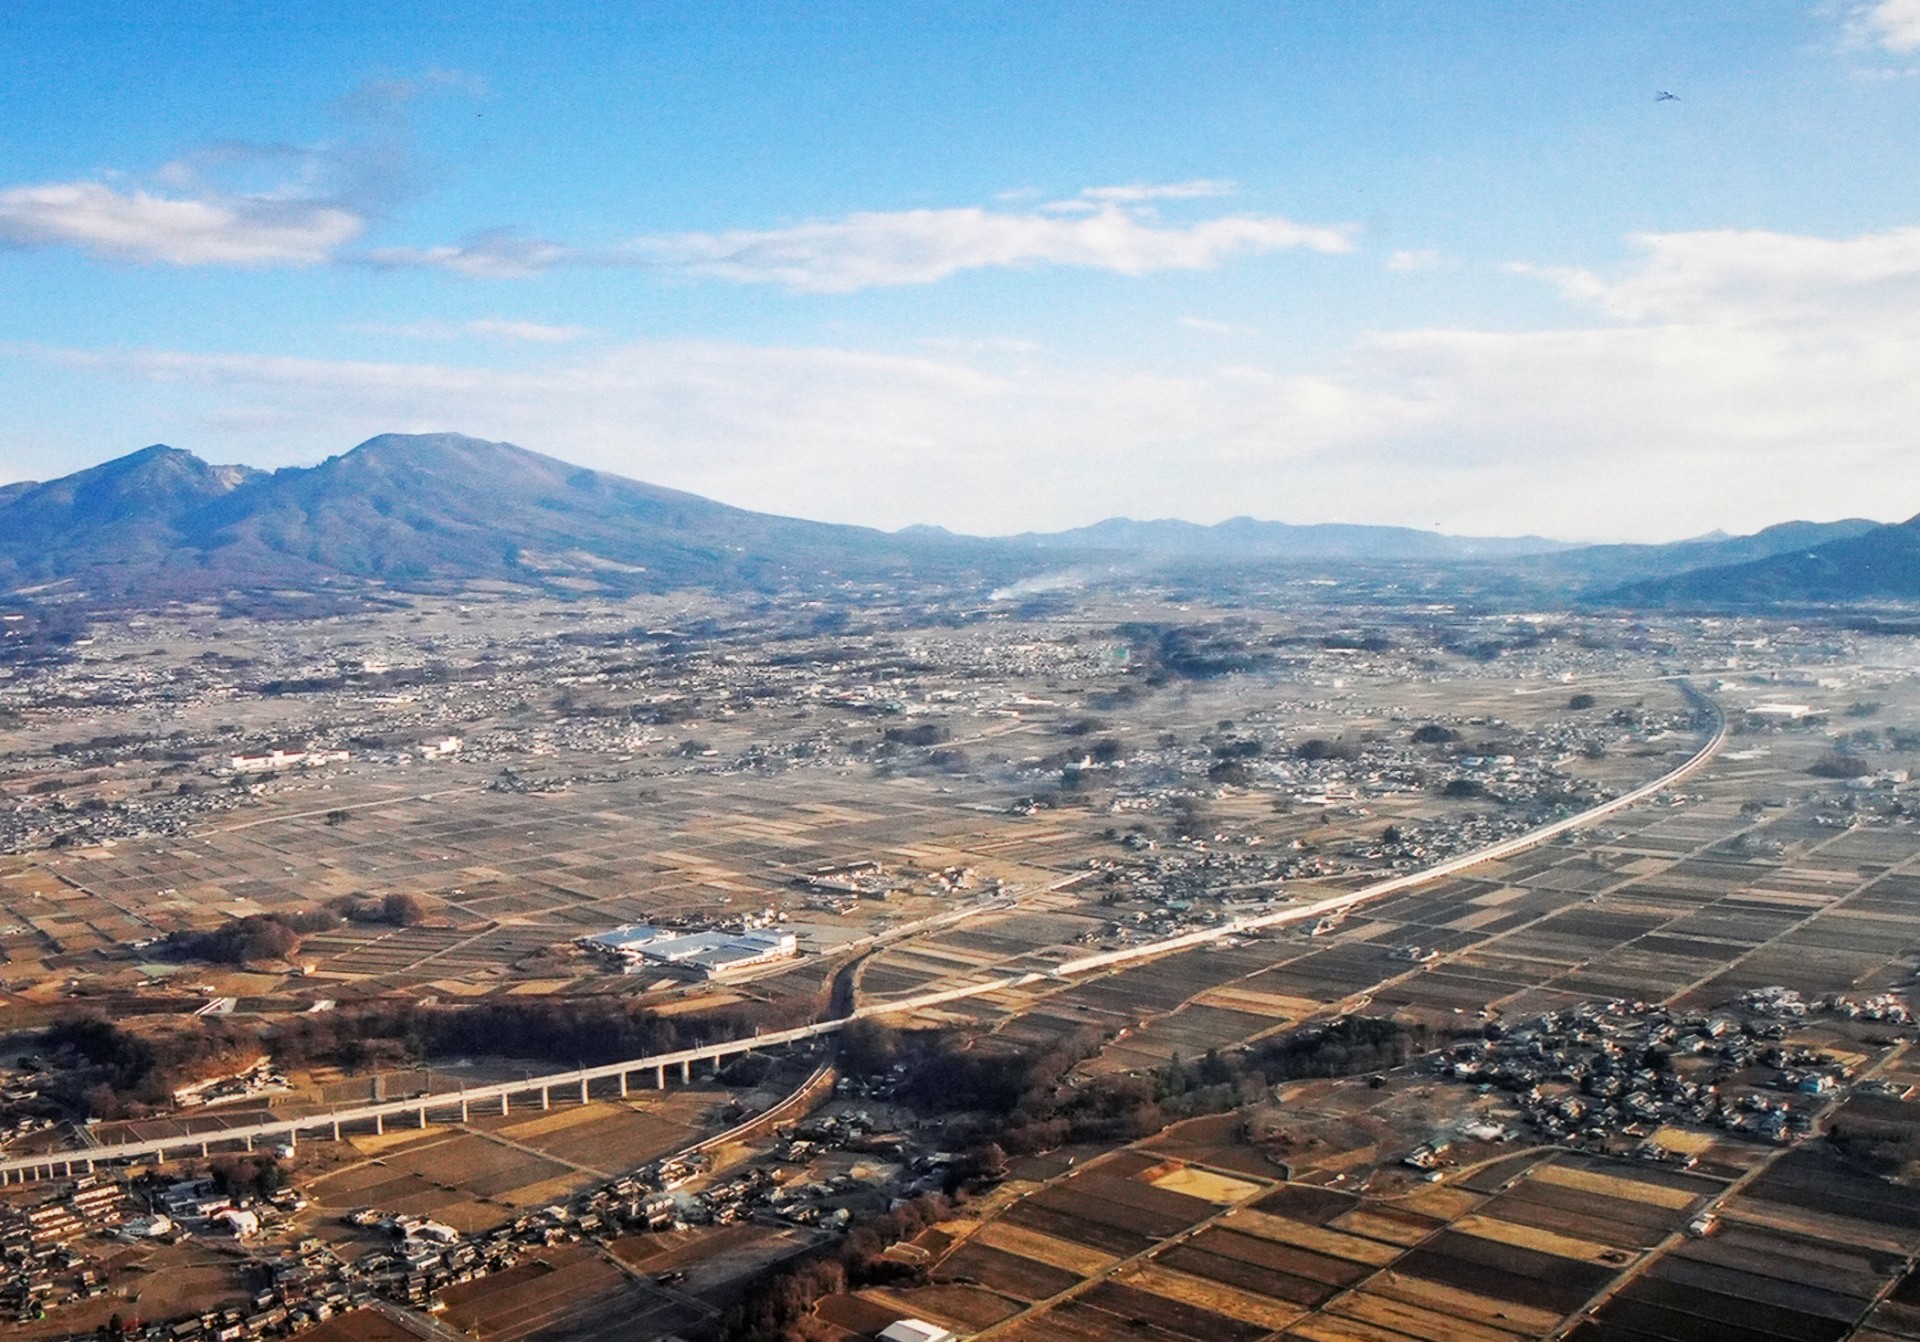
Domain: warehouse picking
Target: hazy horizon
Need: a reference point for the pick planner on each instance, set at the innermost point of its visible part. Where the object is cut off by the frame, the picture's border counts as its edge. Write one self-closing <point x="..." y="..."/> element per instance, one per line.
<point x="936" y="524"/>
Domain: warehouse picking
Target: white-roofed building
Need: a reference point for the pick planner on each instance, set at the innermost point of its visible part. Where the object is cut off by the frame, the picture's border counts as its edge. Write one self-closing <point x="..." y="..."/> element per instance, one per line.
<point x="917" y="1330"/>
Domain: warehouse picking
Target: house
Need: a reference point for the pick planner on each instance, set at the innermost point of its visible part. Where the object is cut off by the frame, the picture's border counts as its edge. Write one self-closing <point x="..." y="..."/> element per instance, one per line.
<point x="238" y="1222"/>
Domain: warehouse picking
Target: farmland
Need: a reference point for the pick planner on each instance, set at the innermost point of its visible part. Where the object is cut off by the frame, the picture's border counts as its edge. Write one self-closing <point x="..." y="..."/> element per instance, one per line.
<point x="1605" y="1086"/>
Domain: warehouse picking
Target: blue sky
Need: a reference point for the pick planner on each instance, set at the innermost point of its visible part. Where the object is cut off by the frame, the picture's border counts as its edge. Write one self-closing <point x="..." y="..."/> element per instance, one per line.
<point x="993" y="266"/>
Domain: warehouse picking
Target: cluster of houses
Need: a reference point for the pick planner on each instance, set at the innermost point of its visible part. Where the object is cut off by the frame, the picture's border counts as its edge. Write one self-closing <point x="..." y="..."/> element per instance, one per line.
<point x="39" y="1267"/>
<point x="47" y="1262"/>
<point x="1599" y="1072"/>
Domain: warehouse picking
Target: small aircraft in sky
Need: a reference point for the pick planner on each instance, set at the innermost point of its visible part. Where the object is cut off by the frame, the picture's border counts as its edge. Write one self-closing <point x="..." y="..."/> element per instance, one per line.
<point x="1662" y="96"/>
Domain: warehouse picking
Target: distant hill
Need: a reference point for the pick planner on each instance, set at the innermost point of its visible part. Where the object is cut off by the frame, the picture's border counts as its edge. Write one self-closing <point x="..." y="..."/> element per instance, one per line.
<point x="1604" y="567"/>
<point x="1848" y="562"/>
<point x="1249" y="538"/>
<point x="413" y="509"/>
<point x="423" y="510"/>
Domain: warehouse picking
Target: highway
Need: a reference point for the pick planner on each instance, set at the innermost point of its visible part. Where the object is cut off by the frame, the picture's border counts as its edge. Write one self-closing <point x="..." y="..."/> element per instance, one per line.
<point x="540" y="1092"/>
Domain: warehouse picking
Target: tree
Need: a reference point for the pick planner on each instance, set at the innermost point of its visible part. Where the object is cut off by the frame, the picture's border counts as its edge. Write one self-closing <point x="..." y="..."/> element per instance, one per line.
<point x="403" y="908"/>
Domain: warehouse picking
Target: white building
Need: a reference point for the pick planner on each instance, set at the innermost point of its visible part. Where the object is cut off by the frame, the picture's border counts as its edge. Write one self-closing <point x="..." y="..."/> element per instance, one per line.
<point x="635" y="946"/>
<point x="276" y="760"/>
<point x="916" y="1330"/>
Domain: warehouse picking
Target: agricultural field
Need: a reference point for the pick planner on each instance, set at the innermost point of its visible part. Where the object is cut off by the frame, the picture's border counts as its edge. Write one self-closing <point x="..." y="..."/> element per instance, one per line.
<point x="982" y="834"/>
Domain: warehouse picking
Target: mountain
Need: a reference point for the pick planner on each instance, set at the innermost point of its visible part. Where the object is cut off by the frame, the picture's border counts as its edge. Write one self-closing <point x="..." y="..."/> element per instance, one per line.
<point x="125" y="513"/>
<point x="1878" y="563"/>
<point x="1602" y="568"/>
<point x="416" y="509"/>
<point x="1249" y="538"/>
<point x="441" y="509"/>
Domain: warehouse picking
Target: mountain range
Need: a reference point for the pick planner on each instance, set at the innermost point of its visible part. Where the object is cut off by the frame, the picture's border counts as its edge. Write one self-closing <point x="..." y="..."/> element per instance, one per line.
<point x="413" y="510"/>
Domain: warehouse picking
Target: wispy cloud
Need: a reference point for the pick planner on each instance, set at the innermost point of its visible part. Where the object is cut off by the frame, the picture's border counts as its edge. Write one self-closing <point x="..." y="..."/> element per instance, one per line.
<point x="878" y="249"/>
<point x="1716" y="365"/>
<point x="1891" y="25"/>
<point x="137" y="225"/>
<point x="237" y="203"/>
<point x="1748" y="277"/>
<point x="921" y="246"/>
<point x="1212" y="327"/>
<point x="495" y="328"/>
<point x="1141" y="193"/>
<point x="497" y="254"/>
<point x="1408" y="261"/>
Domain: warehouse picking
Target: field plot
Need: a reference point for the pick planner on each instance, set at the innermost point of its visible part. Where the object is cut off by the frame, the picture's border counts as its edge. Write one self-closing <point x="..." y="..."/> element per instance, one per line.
<point x="1190" y="1251"/>
<point x="485" y="1173"/>
<point x="563" y="1284"/>
<point x="1801" y="1253"/>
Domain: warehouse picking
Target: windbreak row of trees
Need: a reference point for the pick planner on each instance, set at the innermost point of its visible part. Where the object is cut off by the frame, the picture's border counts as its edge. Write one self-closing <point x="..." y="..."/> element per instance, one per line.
<point x="276" y="936"/>
<point x="105" y="1070"/>
<point x="585" y="1031"/>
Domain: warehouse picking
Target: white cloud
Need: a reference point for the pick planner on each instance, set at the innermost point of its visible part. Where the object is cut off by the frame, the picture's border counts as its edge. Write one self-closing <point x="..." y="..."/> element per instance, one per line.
<point x="920" y="246"/>
<point x="240" y="203"/>
<point x="136" y="225"/>
<point x="538" y="332"/>
<point x="1212" y="327"/>
<point x="1141" y="193"/>
<point x="1719" y="277"/>
<point x="1892" y="25"/>
<point x="980" y="345"/>
<point x="497" y="328"/>
<point x="876" y="249"/>
<point x="838" y="434"/>
<point x="494" y="255"/>
<point x="1722" y="379"/>
<point x="1408" y="261"/>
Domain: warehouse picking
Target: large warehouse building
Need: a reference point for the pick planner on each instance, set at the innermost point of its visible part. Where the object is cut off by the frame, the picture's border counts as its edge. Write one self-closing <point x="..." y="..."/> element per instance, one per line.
<point x="638" y="946"/>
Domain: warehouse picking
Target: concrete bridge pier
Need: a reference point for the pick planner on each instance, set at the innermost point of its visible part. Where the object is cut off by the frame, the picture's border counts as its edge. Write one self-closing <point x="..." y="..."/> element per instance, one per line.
<point x="249" y="1141"/>
<point x="546" y="1097"/>
<point x="423" y="1115"/>
<point x="686" y="1071"/>
<point x="463" y="1108"/>
<point x="583" y="1090"/>
<point x="660" y="1077"/>
<point x="379" y="1125"/>
<point x="623" y="1085"/>
<point x="503" y="1104"/>
<point x="336" y="1129"/>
